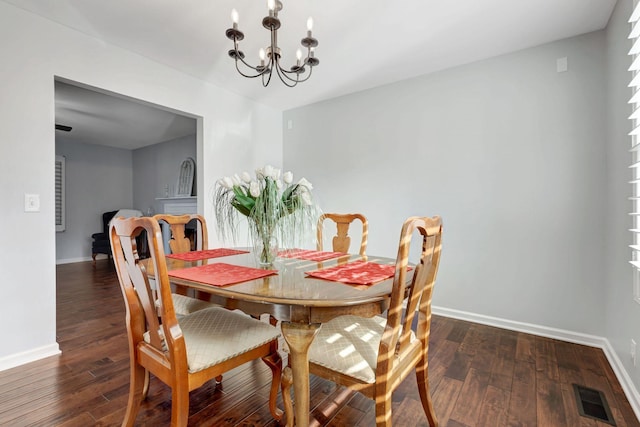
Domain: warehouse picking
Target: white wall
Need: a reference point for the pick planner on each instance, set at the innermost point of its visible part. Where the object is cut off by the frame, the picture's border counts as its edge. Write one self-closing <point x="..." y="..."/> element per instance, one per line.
<point x="157" y="166"/>
<point x="622" y="314"/>
<point x="98" y="179"/>
<point x="35" y="50"/>
<point x="508" y="151"/>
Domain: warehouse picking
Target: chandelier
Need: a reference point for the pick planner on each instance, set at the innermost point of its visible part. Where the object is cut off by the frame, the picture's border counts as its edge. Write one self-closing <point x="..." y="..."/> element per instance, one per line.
<point x="270" y="57"/>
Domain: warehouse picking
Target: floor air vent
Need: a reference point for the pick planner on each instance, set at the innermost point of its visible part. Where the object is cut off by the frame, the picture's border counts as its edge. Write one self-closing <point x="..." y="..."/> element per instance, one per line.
<point x="593" y="404"/>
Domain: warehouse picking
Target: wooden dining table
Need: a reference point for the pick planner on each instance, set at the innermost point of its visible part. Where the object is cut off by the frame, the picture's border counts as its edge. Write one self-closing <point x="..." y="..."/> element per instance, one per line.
<point x="302" y="304"/>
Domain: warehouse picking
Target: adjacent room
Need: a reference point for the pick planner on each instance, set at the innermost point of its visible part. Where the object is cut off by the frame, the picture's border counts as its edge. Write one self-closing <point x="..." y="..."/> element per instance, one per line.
<point x="508" y="128"/>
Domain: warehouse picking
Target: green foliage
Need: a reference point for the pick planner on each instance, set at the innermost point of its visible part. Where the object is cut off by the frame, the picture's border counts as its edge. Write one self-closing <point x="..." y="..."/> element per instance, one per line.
<point x="272" y="208"/>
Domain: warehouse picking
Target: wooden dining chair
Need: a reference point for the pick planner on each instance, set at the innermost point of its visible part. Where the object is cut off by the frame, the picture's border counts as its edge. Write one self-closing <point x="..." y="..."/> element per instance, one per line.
<point x="341" y="241"/>
<point x="179" y="243"/>
<point x="374" y="355"/>
<point x="182" y="353"/>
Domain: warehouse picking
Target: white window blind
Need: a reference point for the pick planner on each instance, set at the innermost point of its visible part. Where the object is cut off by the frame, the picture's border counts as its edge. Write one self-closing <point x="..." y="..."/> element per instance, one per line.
<point x="634" y="36"/>
<point x="60" y="210"/>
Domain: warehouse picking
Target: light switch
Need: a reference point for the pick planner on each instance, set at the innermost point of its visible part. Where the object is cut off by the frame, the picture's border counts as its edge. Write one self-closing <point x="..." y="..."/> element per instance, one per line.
<point x="32" y="203"/>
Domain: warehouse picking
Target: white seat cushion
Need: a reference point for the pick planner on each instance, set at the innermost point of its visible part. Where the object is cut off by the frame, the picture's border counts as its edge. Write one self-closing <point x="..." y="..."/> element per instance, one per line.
<point x="215" y="334"/>
<point x="349" y="344"/>
<point x="184" y="305"/>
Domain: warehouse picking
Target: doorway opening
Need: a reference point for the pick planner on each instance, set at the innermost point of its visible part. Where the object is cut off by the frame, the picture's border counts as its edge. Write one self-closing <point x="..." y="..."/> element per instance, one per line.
<point x="120" y="153"/>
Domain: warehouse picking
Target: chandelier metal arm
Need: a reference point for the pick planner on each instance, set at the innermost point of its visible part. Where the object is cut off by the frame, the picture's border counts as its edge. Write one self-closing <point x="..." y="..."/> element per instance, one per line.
<point x="247" y="75"/>
<point x="286" y="74"/>
<point x="237" y="54"/>
<point x="281" y="74"/>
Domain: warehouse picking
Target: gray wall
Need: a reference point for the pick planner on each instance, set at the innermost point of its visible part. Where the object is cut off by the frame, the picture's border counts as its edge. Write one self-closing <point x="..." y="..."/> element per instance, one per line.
<point x="158" y="165"/>
<point x="98" y="179"/>
<point x="622" y="313"/>
<point x="508" y="151"/>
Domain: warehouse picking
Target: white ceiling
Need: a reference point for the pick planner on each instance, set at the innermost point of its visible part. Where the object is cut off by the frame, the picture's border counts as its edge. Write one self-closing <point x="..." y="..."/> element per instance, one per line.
<point x="106" y="119"/>
<point x="362" y="43"/>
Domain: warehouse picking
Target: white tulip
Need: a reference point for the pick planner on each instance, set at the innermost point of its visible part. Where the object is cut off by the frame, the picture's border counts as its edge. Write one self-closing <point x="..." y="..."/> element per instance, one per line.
<point x="268" y="171"/>
<point x="259" y="173"/>
<point x="246" y="177"/>
<point x="227" y="182"/>
<point x="254" y="189"/>
<point x="306" y="198"/>
<point x="278" y="184"/>
<point x="288" y="178"/>
<point x="304" y="183"/>
<point x="236" y="180"/>
<point x="277" y="173"/>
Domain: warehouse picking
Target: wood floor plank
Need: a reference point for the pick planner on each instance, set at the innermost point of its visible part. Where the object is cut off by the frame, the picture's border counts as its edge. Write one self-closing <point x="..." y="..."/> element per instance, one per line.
<point x="550" y="404"/>
<point x="407" y="413"/>
<point x="502" y="368"/>
<point x="546" y="361"/>
<point x="525" y="348"/>
<point x="446" y="399"/>
<point x="472" y="394"/>
<point x="523" y="400"/>
<point x="494" y="408"/>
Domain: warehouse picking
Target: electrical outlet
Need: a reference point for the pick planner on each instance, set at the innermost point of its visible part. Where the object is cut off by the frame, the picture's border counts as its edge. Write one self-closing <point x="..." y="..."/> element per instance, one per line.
<point x="632" y="352"/>
<point x="562" y="64"/>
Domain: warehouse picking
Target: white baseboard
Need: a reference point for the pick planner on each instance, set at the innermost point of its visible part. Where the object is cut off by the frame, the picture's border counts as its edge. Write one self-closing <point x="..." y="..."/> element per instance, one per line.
<point x="72" y="260"/>
<point x="629" y="388"/>
<point x="623" y="377"/>
<point x="18" y="359"/>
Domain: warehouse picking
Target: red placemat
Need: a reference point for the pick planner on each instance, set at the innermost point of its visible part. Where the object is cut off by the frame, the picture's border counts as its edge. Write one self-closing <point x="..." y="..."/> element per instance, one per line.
<point x="209" y="253"/>
<point x="356" y="272"/>
<point x="221" y="274"/>
<point x="309" y="255"/>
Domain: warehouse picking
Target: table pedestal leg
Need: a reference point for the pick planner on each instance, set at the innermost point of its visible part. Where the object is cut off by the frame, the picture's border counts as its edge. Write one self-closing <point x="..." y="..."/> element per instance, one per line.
<point x="299" y="337"/>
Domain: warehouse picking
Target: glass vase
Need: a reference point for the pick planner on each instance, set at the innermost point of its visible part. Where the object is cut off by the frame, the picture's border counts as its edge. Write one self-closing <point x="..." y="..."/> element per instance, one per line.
<point x="265" y="248"/>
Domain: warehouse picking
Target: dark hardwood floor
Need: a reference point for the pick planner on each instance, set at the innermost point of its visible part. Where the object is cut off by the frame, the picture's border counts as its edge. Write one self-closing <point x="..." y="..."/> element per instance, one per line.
<point x="479" y="376"/>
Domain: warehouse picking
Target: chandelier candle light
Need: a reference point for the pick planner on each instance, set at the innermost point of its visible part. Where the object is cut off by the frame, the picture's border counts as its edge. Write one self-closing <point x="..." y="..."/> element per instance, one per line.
<point x="298" y="73"/>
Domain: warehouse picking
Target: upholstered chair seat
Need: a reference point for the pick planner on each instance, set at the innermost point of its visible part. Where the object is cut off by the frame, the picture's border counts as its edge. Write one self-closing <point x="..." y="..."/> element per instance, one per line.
<point x="349" y="345"/>
<point x="215" y="335"/>
<point x="184" y="305"/>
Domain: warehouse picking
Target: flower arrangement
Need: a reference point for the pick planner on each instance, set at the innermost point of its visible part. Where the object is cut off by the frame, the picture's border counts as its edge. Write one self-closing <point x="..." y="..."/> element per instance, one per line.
<point x="278" y="210"/>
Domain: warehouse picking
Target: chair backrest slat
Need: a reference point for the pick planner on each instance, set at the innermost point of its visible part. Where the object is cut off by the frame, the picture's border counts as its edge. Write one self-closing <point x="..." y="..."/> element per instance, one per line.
<point x="178" y="242"/>
<point x="342" y="241"/>
<point x="142" y="314"/>
<point x="419" y="294"/>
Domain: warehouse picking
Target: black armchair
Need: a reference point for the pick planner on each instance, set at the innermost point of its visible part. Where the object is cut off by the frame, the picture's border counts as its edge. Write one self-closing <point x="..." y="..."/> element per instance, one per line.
<point x="101" y="244"/>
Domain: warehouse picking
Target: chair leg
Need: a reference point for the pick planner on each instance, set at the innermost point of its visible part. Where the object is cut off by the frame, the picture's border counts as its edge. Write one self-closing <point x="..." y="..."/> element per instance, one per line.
<point x="287" y="381"/>
<point x="422" y="377"/>
<point x="204" y="296"/>
<point x="136" y="385"/>
<point x="274" y="362"/>
<point x="94" y="259"/>
<point x="145" y="388"/>
<point x="383" y="408"/>
<point x="179" y="406"/>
